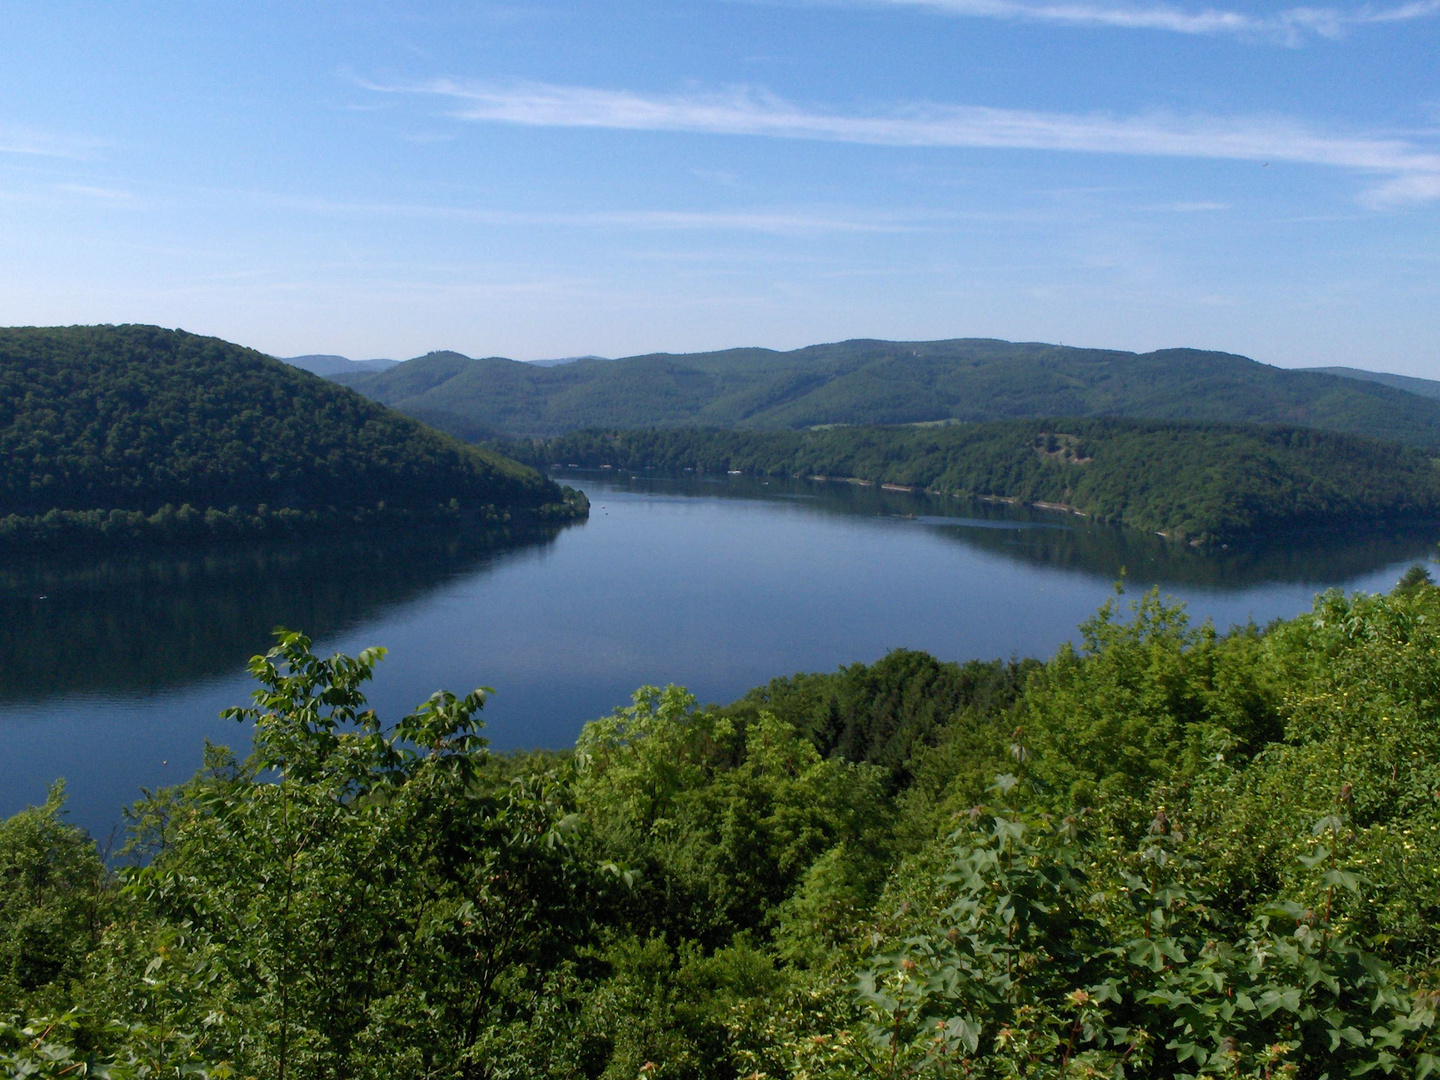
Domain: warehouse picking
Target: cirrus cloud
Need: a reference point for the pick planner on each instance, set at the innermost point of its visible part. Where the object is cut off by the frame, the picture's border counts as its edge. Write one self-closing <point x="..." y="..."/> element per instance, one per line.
<point x="1291" y="25"/>
<point x="1406" y="172"/>
<point x="29" y="142"/>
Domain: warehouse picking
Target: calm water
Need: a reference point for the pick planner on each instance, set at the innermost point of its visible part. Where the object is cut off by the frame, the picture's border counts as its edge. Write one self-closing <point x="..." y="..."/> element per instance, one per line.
<point x="113" y="669"/>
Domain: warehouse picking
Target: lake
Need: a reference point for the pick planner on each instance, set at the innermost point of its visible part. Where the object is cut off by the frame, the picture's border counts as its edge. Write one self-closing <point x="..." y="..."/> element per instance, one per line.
<point x="113" y="668"/>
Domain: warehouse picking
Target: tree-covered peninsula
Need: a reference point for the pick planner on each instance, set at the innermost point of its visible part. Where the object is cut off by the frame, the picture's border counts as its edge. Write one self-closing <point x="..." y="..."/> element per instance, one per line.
<point x="112" y="432"/>
<point x="1196" y="482"/>
<point x="1164" y="853"/>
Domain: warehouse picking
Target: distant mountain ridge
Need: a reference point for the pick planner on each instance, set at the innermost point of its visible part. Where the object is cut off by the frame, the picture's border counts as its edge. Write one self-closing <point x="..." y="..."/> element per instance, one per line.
<point x="559" y="361"/>
<point x="1409" y="383"/>
<point x="328" y="364"/>
<point x="886" y="382"/>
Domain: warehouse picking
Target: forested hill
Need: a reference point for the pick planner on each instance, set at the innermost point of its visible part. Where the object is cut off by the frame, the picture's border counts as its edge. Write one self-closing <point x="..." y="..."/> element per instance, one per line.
<point x="1429" y="388"/>
<point x="1198" y="482"/>
<point x="130" y="429"/>
<point x="882" y="382"/>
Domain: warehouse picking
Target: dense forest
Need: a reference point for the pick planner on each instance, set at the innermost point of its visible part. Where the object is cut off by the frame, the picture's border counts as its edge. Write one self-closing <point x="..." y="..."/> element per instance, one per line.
<point x="124" y="431"/>
<point x="1197" y="482"/>
<point x="1166" y="852"/>
<point x="886" y="382"/>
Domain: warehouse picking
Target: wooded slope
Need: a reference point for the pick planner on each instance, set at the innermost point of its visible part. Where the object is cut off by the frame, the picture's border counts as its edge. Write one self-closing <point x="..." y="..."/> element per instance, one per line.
<point x="1205" y="482"/>
<point x="133" y="419"/>
<point x="1429" y="388"/>
<point x="882" y="382"/>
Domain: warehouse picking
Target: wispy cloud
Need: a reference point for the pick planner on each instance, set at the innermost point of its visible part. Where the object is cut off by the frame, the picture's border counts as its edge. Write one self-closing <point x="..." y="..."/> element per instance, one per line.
<point x="1409" y="188"/>
<point x="1291" y="25"/>
<point x="779" y="222"/>
<point x="1409" y="172"/>
<point x="92" y="191"/>
<point x="29" y="142"/>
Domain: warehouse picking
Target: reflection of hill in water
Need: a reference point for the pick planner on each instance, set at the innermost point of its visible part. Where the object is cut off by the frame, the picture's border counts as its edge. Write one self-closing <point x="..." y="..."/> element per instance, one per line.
<point x="1319" y="559"/>
<point x="141" y="621"/>
<point x="1064" y="542"/>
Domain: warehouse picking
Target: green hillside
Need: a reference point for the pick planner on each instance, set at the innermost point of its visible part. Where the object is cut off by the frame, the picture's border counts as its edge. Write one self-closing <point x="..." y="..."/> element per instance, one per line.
<point x="1429" y="388"/>
<point x="1200" y="482"/>
<point x="880" y="382"/>
<point x="127" y="430"/>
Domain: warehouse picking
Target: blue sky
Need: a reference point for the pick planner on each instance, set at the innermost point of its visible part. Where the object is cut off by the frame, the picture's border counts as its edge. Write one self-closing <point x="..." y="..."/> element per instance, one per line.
<point x="540" y="179"/>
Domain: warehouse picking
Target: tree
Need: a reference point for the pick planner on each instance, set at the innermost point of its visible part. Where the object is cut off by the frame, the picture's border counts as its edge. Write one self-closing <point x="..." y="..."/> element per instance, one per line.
<point x="53" y="888"/>
<point x="355" y="899"/>
<point x="1413" y="580"/>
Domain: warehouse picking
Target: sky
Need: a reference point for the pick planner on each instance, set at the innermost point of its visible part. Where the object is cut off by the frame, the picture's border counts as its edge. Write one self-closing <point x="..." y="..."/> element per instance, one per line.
<point x="544" y="179"/>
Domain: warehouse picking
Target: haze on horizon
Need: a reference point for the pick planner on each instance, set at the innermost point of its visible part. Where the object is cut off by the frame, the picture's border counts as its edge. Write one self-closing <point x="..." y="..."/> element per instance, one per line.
<point x="547" y="179"/>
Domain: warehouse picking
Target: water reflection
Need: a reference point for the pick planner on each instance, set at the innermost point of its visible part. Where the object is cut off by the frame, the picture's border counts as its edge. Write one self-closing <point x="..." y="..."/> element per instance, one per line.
<point x="1317" y="558"/>
<point x="1066" y="542"/>
<point x="145" y="621"/>
<point x="116" y="678"/>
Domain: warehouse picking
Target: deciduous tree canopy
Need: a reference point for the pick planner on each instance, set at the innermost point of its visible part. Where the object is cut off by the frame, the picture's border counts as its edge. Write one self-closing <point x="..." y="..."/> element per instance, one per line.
<point x="1166" y="852"/>
<point x="134" y="429"/>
